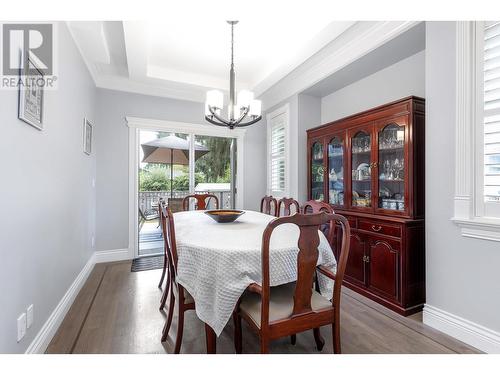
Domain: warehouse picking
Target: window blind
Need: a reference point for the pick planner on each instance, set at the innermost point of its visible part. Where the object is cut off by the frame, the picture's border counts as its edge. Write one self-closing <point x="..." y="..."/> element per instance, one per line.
<point x="277" y="157"/>
<point x="492" y="111"/>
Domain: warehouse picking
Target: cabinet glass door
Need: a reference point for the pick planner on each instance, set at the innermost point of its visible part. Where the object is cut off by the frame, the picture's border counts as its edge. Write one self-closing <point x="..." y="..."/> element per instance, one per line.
<point x="336" y="171"/>
<point x="317" y="172"/>
<point x="391" y="167"/>
<point x="361" y="177"/>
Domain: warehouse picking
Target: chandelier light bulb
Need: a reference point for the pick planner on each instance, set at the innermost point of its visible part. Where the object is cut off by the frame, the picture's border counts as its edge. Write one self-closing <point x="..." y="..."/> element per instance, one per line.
<point x="255" y="108"/>
<point x="245" y="97"/>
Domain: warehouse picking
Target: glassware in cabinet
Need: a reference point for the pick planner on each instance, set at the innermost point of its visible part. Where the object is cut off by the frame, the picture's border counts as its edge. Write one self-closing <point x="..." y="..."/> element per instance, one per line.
<point x="391" y="167"/>
<point x="317" y="171"/>
<point x="336" y="171"/>
<point x="361" y="179"/>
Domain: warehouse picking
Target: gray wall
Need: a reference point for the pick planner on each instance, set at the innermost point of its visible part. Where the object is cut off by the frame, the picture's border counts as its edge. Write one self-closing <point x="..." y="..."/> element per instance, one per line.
<point x="309" y="116"/>
<point x="305" y="113"/>
<point x="404" y="78"/>
<point x="112" y="153"/>
<point x="461" y="273"/>
<point x="47" y="199"/>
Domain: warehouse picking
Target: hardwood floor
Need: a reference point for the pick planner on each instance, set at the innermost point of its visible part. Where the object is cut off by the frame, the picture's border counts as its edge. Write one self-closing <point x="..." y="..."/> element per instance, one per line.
<point x="117" y="312"/>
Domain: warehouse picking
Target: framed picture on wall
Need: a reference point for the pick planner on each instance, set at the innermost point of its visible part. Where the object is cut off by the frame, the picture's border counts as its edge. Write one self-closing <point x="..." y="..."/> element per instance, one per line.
<point x="87" y="136"/>
<point x="30" y="108"/>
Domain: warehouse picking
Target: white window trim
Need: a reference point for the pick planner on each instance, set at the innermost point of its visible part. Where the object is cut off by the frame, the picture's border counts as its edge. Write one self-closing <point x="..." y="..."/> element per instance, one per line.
<point x="469" y="202"/>
<point x="135" y="124"/>
<point x="282" y="110"/>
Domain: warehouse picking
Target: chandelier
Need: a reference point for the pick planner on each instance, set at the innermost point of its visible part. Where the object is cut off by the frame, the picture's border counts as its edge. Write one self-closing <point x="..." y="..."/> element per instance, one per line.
<point x="245" y="108"/>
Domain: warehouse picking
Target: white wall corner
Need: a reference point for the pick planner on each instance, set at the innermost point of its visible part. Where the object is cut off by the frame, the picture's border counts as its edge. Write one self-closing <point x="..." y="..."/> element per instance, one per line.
<point x="50" y="327"/>
<point x="464" y="330"/>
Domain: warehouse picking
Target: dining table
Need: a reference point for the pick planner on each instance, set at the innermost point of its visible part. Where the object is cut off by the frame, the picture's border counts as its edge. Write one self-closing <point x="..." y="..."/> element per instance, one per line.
<point x="218" y="261"/>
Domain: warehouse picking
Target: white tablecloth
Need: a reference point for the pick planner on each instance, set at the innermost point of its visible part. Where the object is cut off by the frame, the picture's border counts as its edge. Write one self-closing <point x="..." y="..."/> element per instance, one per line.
<point x="218" y="261"/>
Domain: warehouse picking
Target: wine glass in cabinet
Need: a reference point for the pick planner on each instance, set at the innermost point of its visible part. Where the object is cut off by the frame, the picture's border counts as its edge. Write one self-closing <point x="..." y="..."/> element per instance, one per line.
<point x="336" y="169"/>
<point x="317" y="171"/>
<point x="391" y="166"/>
<point x="361" y="168"/>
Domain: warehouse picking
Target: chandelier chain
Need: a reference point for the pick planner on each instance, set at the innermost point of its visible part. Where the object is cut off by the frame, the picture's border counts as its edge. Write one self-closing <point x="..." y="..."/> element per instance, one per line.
<point x="232" y="45"/>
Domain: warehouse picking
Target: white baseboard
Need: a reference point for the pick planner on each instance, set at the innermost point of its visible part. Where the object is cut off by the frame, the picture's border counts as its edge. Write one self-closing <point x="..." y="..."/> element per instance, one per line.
<point x="112" y="255"/>
<point x="464" y="330"/>
<point x="49" y="329"/>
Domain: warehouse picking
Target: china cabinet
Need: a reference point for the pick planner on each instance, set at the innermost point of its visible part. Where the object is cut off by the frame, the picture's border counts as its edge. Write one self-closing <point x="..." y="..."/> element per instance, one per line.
<point x="370" y="168"/>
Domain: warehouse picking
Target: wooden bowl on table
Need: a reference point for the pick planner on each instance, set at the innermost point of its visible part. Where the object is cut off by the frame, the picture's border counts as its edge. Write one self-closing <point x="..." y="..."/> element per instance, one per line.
<point x="224" y="216"/>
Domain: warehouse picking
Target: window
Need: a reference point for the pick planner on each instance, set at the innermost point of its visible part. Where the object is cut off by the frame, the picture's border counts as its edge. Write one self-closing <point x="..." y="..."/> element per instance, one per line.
<point x="477" y="147"/>
<point x="277" y="135"/>
<point x="491" y="113"/>
<point x="488" y="117"/>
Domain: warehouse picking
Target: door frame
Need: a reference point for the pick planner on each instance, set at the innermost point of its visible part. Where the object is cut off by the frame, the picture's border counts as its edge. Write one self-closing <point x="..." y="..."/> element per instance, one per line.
<point x="136" y="124"/>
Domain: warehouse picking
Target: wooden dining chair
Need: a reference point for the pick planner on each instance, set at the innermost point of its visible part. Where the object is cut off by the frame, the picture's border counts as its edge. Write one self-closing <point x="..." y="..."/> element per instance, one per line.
<point x="296" y="307"/>
<point x="201" y="201"/>
<point x="269" y="205"/>
<point x="178" y="294"/>
<point x="314" y="207"/>
<point x="165" y="271"/>
<point x="287" y="204"/>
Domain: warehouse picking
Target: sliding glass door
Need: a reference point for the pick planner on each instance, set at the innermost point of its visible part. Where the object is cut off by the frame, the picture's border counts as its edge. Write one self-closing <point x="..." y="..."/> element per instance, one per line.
<point x="174" y="165"/>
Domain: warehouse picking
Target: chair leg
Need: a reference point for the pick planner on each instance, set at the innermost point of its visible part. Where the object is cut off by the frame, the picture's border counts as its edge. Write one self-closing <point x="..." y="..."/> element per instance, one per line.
<point x="238" y="341"/>
<point x="320" y="342"/>
<point x="336" y="338"/>
<point x="166" y="328"/>
<point x="163" y="272"/>
<point x="165" y="293"/>
<point x="264" y="346"/>
<point x="293" y="338"/>
<point x="180" y="331"/>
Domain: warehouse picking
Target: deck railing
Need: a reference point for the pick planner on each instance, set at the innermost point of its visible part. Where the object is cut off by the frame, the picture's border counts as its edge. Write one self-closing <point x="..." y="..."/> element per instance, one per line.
<point x="149" y="199"/>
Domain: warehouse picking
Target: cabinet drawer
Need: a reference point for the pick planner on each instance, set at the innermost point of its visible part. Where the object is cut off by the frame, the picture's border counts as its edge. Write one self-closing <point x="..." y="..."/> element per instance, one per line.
<point x="380" y="227"/>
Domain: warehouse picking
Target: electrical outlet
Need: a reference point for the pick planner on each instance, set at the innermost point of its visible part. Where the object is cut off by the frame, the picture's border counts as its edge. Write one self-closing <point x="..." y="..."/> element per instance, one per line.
<point x="21" y="326"/>
<point x="93" y="241"/>
<point x="29" y="316"/>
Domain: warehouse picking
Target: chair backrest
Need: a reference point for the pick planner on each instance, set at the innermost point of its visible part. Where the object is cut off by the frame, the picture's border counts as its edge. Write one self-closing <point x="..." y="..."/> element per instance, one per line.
<point x="314" y="207"/>
<point x="307" y="258"/>
<point x="175" y="204"/>
<point x="269" y="205"/>
<point x="287" y="204"/>
<point x="168" y="229"/>
<point x="201" y="201"/>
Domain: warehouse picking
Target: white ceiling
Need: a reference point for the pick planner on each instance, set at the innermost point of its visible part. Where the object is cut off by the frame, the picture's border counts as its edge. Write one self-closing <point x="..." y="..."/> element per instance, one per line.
<point x="181" y="59"/>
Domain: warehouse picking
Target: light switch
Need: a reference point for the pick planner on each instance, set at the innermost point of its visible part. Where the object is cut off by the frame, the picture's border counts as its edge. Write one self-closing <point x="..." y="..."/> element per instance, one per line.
<point x="21" y="326"/>
<point x="29" y="316"/>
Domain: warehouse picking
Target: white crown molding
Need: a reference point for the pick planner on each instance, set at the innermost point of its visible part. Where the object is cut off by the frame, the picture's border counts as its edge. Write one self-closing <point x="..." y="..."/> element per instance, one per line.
<point x="49" y="329"/>
<point x="462" y="329"/>
<point x="354" y="43"/>
<point x="171" y="90"/>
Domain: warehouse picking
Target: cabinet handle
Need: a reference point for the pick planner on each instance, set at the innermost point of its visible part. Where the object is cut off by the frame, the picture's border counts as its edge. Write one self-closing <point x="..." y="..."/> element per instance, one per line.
<point x="366" y="258"/>
<point x="376" y="228"/>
